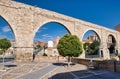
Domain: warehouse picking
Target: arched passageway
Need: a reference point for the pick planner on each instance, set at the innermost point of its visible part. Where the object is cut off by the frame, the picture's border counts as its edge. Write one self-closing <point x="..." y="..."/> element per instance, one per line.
<point x="91" y="44"/>
<point x="47" y="38"/>
<point x="111" y="44"/>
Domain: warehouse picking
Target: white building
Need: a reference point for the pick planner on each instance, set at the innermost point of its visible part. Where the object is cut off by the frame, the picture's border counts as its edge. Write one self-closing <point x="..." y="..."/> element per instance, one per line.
<point x="50" y="44"/>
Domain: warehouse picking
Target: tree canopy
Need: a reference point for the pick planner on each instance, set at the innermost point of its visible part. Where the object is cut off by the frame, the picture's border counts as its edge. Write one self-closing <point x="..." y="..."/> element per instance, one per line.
<point x="69" y="45"/>
<point x="4" y="44"/>
<point x="91" y="49"/>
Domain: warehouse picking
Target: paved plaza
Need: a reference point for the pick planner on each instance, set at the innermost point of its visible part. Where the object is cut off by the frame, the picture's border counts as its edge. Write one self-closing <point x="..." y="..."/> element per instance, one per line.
<point x="52" y="70"/>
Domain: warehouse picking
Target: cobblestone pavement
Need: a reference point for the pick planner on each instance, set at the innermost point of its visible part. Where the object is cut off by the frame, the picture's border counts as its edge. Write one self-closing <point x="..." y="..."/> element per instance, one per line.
<point x="22" y="69"/>
<point x="53" y="70"/>
<point x="39" y="73"/>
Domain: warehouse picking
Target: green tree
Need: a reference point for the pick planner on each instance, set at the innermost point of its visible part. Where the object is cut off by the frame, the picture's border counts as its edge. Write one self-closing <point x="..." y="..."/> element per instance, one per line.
<point x="95" y="47"/>
<point x="86" y="47"/>
<point x="38" y="46"/>
<point x="91" y="49"/>
<point x="4" y="45"/>
<point x="69" y="45"/>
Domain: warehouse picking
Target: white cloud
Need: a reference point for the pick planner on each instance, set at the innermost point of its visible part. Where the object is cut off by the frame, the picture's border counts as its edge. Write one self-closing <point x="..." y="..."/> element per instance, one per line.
<point x="44" y="39"/>
<point x="42" y="29"/>
<point x="6" y="29"/>
<point x="47" y="36"/>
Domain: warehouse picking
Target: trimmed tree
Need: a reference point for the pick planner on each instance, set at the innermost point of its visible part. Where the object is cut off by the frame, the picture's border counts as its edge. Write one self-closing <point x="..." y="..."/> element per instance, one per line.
<point x="4" y="45"/>
<point x="69" y="45"/>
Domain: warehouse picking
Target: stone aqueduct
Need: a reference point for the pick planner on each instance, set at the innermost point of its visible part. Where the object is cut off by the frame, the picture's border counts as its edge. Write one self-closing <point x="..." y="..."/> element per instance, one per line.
<point x="25" y="20"/>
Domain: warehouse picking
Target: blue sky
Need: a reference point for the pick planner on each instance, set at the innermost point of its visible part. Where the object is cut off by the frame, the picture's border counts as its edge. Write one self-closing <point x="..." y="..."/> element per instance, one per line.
<point x="49" y="31"/>
<point x="101" y="12"/>
<point x="90" y="32"/>
<point x="5" y="30"/>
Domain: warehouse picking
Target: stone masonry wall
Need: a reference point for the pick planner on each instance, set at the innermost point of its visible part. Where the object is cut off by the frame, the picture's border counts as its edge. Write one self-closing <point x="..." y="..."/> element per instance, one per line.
<point x="110" y="65"/>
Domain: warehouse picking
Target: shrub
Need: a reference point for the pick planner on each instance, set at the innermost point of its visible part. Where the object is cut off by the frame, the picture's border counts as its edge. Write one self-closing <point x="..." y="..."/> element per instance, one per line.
<point x="44" y="54"/>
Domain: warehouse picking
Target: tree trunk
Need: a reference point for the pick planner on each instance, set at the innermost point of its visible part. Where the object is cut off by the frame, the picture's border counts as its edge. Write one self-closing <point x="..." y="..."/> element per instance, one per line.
<point x="69" y="61"/>
<point x="3" y="58"/>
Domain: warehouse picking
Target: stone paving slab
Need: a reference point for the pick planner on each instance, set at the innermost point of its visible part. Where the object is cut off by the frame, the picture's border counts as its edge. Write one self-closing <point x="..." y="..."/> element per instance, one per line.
<point x="64" y="72"/>
<point x="22" y="69"/>
<point x="38" y="74"/>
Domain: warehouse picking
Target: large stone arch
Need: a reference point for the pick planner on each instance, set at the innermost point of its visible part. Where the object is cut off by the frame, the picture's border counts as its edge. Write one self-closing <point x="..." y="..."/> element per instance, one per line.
<point x="49" y="21"/>
<point x="111" y="43"/>
<point x="96" y="32"/>
<point x="114" y="36"/>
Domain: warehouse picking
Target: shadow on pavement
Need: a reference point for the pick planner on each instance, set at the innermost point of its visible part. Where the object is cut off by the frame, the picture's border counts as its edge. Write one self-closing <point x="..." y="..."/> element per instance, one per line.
<point x="67" y="75"/>
<point x="63" y="64"/>
<point x="87" y="74"/>
<point x="6" y="59"/>
<point x="11" y="65"/>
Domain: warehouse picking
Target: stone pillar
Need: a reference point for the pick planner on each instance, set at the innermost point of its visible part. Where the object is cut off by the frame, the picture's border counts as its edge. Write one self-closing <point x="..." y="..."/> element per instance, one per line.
<point x="100" y="52"/>
<point x="23" y="54"/>
<point x="24" y="35"/>
<point x="24" y="47"/>
<point x="106" y="54"/>
<point x="104" y="49"/>
<point x="118" y="50"/>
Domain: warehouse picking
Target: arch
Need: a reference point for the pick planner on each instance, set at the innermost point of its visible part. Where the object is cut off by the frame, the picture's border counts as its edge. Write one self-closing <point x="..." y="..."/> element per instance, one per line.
<point x="111" y="43"/>
<point x="49" y="43"/>
<point x="88" y="42"/>
<point x="9" y="26"/>
<point x="48" y="23"/>
<point x="113" y="38"/>
<point x="93" y="31"/>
